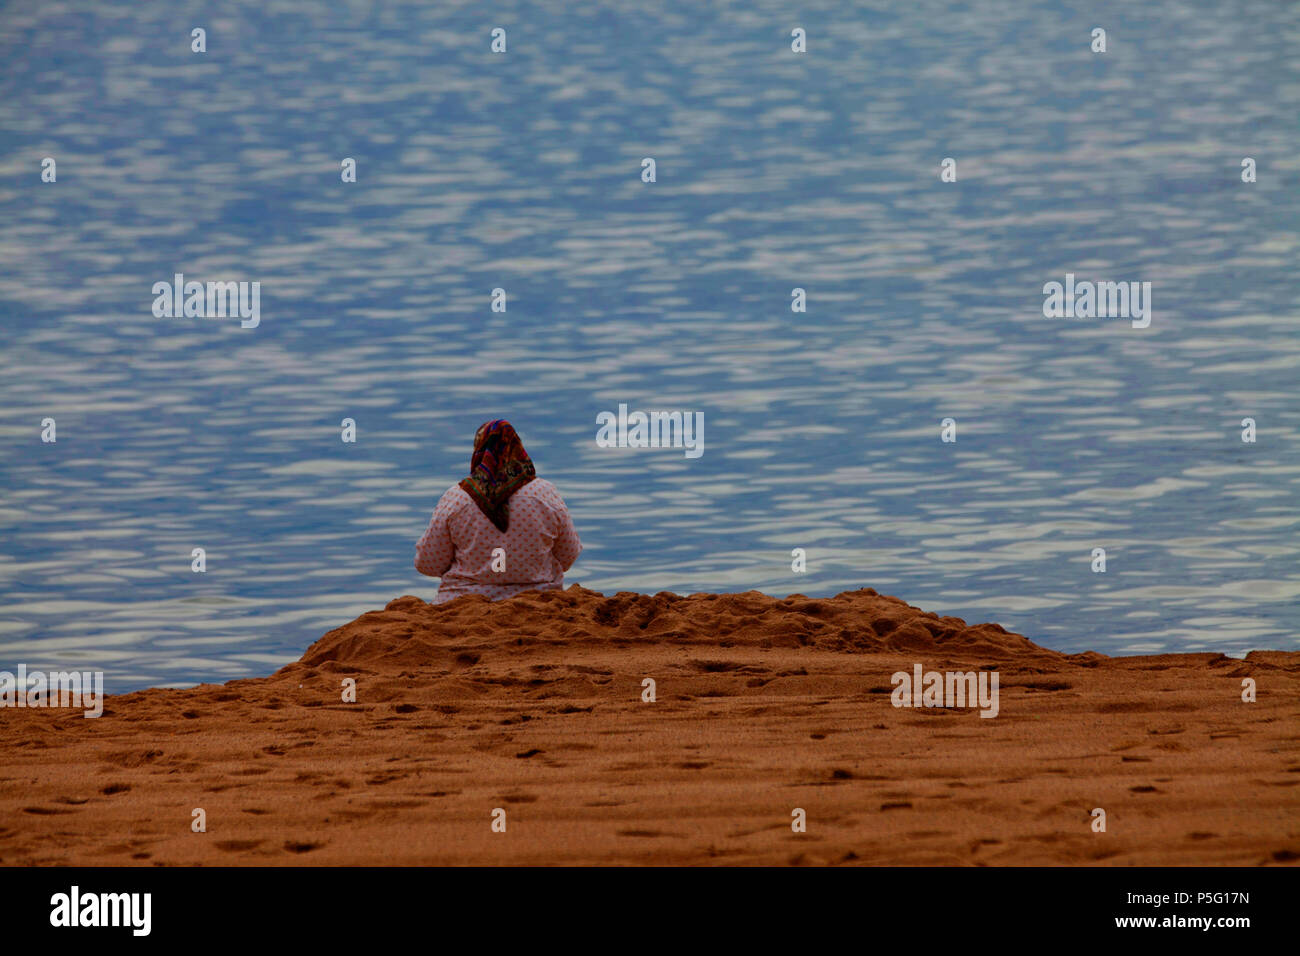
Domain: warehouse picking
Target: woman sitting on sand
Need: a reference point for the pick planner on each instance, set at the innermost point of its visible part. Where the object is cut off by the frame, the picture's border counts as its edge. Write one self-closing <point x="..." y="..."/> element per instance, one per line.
<point x="501" y="505"/>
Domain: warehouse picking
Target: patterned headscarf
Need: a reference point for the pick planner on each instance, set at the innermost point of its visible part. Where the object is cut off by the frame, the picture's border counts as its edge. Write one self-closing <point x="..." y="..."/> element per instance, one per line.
<point x="498" y="469"/>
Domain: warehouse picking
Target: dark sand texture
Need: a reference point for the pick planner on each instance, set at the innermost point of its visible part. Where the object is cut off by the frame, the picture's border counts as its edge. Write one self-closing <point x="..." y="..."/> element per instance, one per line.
<point x="533" y="705"/>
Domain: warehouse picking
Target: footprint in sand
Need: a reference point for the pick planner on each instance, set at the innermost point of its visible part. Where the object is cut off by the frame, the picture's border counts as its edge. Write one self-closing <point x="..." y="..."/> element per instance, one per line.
<point x="237" y="846"/>
<point x="1042" y="685"/>
<point x="386" y="776"/>
<point x="294" y="847"/>
<point x="133" y="758"/>
<point x="396" y="804"/>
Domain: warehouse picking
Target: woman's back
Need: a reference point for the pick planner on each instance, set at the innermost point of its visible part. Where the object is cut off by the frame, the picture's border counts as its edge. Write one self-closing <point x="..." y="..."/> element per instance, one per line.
<point x="466" y="546"/>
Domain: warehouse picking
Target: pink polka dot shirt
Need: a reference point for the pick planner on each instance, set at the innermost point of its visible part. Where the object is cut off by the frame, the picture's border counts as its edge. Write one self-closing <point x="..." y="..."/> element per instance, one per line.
<point x="458" y="545"/>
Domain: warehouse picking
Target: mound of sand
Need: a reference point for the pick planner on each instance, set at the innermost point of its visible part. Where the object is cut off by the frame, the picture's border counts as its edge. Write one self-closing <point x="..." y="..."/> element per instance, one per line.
<point x="409" y="631"/>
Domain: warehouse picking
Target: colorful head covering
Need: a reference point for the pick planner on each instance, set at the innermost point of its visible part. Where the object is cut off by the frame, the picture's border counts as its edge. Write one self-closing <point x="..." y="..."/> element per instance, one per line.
<point x="498" y="469"/>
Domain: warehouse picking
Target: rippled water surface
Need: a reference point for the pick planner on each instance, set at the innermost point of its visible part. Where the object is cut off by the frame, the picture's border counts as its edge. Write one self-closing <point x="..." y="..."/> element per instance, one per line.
<point x="522" y="171"/>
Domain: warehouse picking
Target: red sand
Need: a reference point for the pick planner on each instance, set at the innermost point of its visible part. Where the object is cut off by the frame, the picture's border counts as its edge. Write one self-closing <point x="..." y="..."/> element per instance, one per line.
<point x="534" y="706"/>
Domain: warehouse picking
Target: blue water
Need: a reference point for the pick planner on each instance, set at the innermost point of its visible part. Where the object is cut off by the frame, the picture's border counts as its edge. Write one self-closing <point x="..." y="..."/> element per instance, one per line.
<point x="523" y="171"/>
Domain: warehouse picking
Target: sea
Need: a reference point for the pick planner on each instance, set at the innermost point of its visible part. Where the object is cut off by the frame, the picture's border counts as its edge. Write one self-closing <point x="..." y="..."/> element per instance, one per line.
<point x="838" y="256"/>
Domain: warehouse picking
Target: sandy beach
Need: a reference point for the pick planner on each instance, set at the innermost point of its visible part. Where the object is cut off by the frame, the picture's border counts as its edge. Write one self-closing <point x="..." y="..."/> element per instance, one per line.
<point x="763" y="706"/>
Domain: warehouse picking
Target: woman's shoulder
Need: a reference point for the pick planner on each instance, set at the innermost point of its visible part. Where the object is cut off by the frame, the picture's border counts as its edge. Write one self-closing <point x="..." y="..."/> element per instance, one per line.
<point x="454" y="497"/>
<point x="540" y="489"/>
